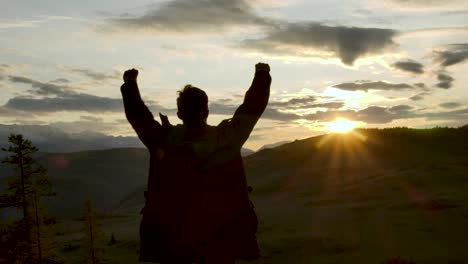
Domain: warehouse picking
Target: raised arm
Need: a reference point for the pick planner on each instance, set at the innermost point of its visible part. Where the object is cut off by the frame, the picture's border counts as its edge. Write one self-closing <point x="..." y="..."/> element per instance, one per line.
<point x="256" y="98"/>
<point x="138" y="114"/>
<point x="248" y="113"/>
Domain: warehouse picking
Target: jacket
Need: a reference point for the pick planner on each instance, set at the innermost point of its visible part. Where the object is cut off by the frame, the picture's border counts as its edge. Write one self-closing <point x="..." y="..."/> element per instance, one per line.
<point x="197" y="198"/>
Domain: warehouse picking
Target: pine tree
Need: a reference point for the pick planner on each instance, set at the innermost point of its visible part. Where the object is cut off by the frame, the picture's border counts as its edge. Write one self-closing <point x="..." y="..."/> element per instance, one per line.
<point x="112" y="240"/>
<point x="24" y="191"/>
<point x="93" y="237"/>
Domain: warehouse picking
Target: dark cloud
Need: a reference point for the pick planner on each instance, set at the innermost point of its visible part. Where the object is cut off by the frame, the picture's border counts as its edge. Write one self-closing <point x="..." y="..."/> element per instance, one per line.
<point x="97" y="76"/>
<point x="91" y="118"/>
<point x="41" y="88"/>
<point x="53" y="97"/>
<point x="282" y="37"/>
<point x="453" y="54"/>
<point x="275" y="114"/>
<point x="193" y="15"/>
<point x="450" y="105"/>
<point x="400" y="109"/>
<point x="72" y="102"/>
<point x="446" y="56"/>
<point x="60" y="81"/>
<point x="421" y="85"/>
<point x="409" y="66"/>
<point x="369" y="85"/>
<point x="418" y="96"/>
<point x="445" y="80"/>
<point x="346" y="43"/>
<point x="377" y="115"/>
<point x="461" y="115"/>
<point x="294" y="102"/>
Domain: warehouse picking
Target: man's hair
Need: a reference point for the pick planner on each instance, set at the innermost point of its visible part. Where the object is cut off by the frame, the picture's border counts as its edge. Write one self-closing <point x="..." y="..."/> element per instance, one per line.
<point x="192" y="104"/>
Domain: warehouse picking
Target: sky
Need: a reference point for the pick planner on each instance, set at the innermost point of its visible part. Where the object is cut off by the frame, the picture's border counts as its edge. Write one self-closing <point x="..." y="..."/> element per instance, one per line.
<point x="379" y="63"/>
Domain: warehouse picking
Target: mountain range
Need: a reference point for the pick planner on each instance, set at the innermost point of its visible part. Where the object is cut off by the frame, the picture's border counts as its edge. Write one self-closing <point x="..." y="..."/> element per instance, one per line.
<point x="115" y="178"/>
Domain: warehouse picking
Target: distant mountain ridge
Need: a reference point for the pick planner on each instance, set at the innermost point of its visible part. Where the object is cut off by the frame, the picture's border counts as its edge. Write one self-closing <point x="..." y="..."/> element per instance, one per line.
<point x="115" y="178"/>
<point x="52" y="139"/>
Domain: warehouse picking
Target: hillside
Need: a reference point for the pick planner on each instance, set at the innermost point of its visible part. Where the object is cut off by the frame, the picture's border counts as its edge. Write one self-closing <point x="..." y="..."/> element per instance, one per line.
<point x="365" y="196"/>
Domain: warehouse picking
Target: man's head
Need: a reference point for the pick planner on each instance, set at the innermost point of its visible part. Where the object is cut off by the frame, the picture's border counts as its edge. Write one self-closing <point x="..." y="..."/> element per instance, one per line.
<point x="192" y="105"/>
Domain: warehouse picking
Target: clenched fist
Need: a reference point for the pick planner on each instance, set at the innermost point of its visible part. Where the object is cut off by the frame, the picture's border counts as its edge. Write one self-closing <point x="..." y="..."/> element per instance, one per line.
<point x="130" y="75"/>
<point x="262" y="67"/>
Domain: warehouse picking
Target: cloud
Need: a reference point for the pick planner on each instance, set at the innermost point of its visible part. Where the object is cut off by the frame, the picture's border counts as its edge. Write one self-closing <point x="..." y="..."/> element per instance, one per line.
<point x="294" y="102"/>
<point x="453" y="54"/>
<point x="426" y="3"/>
<point x="91" y="118"/>
<point x="369" y="85"/>
<point x="32" y="23"/>
<point x="3" y="69"/>
<point x="446" y="56"/>
<point x="270" y="112"/>
<point x="445" y="80"/>
<point x="409" y="66"/>
<point x="421" y="85"/>
<point x="378" y="115"/>
<point x="423" y="5"/>
<point x="419" y="96"/>
<point x="460" y="115"/>
<point x="330" y="105"/>
<point x="97" y="76"/>
<point x="275" y="114"/>
<point x="383" y="115"/>
<point x="450" y="105"/>
<point x="53" y="98"/>
<point x="400" y="109"/>
<point x="41" y="88"/>
<point x="311" y="39"/>
<point x="71" y="102"/>
<point x="60" y="81"/>
<point x="278" y="110"/>
<point x="192" y="15"/>
<point x="13" y="113"/>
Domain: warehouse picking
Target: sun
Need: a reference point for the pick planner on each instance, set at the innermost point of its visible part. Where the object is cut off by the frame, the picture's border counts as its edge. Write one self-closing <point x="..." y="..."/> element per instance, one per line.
<point x="341" y="125"/>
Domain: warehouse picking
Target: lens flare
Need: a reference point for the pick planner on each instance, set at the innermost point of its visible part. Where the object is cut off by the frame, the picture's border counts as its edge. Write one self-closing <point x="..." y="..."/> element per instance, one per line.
<point x="341" y="125"/>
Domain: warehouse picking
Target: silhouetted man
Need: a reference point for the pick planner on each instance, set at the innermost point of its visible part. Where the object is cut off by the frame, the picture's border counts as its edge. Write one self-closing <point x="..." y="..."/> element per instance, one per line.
<point x="197" y="207"/>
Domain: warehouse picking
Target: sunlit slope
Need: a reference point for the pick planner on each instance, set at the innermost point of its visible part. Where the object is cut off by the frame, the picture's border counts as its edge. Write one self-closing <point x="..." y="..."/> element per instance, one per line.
<point x="363" y="198"/>
<point x="355" y="154"/>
